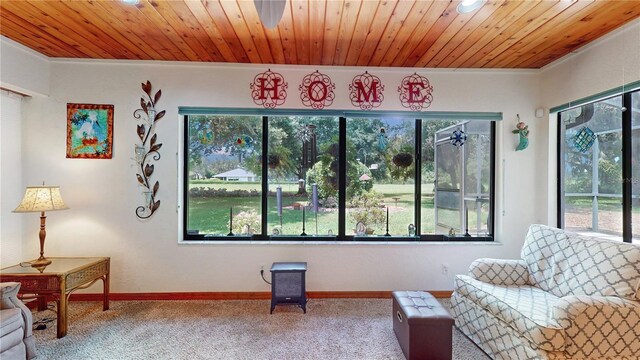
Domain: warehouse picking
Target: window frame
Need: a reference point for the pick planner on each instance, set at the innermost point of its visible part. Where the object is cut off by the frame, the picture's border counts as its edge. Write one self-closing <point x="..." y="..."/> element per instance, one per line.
<point x="626" y="155"/>
<point x="341" y="235"/>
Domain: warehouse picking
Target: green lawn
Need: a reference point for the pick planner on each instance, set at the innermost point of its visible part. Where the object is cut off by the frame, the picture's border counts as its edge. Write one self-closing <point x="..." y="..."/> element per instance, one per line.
<point x="211" y="215"/>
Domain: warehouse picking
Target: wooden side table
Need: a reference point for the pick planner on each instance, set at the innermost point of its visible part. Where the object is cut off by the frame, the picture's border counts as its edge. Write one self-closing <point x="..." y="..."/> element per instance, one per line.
<point x="59" y="279"/>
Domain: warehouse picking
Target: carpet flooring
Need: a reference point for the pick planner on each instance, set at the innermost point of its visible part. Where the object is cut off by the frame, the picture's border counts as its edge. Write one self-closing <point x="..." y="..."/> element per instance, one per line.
<point x="359" y="329"/>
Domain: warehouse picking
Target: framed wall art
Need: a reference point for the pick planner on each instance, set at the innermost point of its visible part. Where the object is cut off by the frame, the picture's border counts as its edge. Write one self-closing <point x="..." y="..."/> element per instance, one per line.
<point x="89" y="131"/>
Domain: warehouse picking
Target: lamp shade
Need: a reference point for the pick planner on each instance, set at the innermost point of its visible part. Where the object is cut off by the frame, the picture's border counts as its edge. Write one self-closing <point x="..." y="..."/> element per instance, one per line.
<point x="270" y="11"/>
<point x="41" y="198"/>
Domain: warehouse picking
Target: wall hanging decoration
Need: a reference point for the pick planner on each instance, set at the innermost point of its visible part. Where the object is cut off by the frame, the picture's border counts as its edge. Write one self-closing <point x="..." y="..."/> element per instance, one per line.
<point x="205" y="136"/>
<point x="148" y="152"/>
<point x="522" y="130"/>
<point x="382" y="139"/>
<point x="365" y="91"/>
<point x="244" y="141"/>
<point x="458" y="137"/>
<point x="269" y="89"/>
<point x="584" y="139"/>
<point x="89" y="131"/>
<point x="317" y="90"/>
<point x="415" y="92"/>
<point x="307" y="134"/>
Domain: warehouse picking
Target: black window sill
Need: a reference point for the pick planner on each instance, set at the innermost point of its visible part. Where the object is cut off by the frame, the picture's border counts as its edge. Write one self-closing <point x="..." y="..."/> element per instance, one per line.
<point x="346" y="239"/>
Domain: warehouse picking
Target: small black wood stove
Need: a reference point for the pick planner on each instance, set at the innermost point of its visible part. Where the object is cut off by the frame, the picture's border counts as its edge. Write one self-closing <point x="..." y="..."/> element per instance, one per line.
<point x="288" y="284"/>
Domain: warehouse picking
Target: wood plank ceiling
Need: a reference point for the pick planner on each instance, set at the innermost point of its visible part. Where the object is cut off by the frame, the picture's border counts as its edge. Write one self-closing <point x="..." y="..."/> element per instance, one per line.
<point x="411" y="33"/>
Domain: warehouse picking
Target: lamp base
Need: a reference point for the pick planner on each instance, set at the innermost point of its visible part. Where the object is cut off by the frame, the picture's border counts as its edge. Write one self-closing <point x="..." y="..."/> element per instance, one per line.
<point x="41" y="262"/>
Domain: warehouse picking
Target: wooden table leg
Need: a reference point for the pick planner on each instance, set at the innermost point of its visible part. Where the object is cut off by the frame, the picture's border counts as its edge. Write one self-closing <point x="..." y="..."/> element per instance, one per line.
<point x="62" y="315"/>
<point x="105" y="290"/>
<point x="42" y="302"/>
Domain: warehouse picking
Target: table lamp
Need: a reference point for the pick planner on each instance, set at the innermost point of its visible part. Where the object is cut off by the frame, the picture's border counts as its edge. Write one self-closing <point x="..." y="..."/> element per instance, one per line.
<point x="41" y="199"/>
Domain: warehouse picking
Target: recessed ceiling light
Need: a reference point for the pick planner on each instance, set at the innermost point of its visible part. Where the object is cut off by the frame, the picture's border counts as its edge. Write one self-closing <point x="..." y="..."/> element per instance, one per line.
<point x="467" y="6"/>
<point x="131" y="2"/>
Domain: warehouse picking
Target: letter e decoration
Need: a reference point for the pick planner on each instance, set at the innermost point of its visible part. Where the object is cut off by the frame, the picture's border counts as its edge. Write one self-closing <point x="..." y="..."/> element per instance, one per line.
<point x="415" y="92"/>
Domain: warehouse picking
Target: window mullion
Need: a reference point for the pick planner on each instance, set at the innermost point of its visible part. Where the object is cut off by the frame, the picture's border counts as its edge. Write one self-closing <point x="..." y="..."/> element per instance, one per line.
<point x="626" y="168"/>
<point x="265" y="176"/>
<point x="418" y="177"/>
<point x="342" y="177"/>
<point x="492" y="183"/>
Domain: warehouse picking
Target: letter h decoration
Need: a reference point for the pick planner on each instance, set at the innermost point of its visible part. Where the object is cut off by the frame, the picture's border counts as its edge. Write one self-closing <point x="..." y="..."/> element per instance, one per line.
<point x="269" y="89"/>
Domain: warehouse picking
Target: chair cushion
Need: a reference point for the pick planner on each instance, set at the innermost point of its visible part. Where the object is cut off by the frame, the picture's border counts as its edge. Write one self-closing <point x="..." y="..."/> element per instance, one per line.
<point x="10" y="321"/>
<point x="567" y="263"/>
<point x="527" y="309"/>
<point x="11" y="334"/>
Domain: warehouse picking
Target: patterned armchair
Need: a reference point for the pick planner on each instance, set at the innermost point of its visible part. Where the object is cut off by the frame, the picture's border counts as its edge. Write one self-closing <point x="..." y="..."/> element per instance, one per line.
<point x="569" y="297"/>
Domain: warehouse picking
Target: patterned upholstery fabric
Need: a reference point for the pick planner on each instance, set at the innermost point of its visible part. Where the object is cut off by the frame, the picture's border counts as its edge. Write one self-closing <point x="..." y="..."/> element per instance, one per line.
<point x="566" y="263"/>
<point x="500" y="271"/>
<point x="599" y="327"/>
<point x="527" y="309"/>
<point x="570" y="297"/>
<point x="492" y="336"/>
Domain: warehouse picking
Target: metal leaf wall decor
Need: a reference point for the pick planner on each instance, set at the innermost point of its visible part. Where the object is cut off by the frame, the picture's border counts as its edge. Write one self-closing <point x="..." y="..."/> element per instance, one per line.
<point x="147" y="153"/>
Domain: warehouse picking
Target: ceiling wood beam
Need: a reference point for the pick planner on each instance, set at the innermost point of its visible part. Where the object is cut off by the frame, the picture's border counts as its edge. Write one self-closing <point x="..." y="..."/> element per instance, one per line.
<point x="288" y="35"/>
<point x="491" y="31"/>
<point x="317" y="12"/>
<point x="331" y="28"/>
<point x="539" y="35"/>
<point x="385" y="10"/>
<point x="437" y="18"/>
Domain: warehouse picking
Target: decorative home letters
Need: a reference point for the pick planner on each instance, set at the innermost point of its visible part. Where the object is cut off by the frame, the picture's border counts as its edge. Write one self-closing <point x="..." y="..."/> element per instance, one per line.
<point x="365" y="91"/>
<point x="317" y="90"/>
<point x="269" y="89"/>
<point x="415" y="92"/>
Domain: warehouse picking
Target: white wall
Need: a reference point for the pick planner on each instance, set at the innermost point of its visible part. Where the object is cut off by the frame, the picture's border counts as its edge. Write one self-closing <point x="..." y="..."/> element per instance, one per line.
<point x="605" y="64"/>
<point x="11" y="188"/>
<point x="22" y="69"/>
<point x="146" y="255"/>
<point x="27" y="72"/>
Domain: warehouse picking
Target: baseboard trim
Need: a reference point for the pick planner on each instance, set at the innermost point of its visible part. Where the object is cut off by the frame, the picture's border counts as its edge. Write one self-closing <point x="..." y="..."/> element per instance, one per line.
<point x="242" y="295"/>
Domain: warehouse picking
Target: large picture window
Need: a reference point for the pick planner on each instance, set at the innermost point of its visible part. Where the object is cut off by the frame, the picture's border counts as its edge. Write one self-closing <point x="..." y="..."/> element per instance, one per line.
<point x="316" y="178"/>
<point x="597" y="175"/>
<point x="223" y="170"/>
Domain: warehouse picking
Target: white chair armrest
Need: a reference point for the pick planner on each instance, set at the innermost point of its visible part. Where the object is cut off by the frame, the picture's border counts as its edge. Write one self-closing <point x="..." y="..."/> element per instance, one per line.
<point x="500" y="271"/>
<point x="9" y="294"/>
<point x="600" y="326"/>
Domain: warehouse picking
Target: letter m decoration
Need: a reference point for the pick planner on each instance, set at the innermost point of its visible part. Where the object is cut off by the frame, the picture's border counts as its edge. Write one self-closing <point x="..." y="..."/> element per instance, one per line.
<point x="365" y="91"/>
<point x="415" y="92"/>
<point x="269" y="89"/>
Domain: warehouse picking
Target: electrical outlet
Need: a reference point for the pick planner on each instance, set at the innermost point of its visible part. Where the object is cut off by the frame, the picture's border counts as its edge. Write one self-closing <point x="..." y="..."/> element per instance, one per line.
<point x="445" y="269"/>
